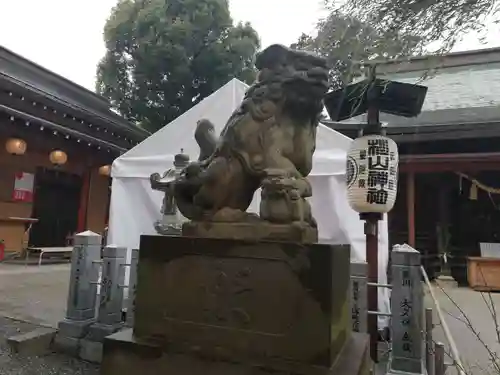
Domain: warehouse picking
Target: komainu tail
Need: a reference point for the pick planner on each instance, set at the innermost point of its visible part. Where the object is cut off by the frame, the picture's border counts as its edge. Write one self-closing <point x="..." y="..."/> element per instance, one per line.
<point x="206" y="139"/>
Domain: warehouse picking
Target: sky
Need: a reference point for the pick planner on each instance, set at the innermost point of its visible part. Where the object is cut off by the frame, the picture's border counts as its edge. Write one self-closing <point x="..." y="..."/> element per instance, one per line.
<point x="65" y="36"/>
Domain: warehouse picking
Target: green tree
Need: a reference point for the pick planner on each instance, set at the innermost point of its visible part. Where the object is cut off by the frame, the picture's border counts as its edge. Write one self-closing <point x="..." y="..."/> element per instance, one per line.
<point x="164" y="56"/>
<point x="346" y="43"/>
<point x="438" y="23"/>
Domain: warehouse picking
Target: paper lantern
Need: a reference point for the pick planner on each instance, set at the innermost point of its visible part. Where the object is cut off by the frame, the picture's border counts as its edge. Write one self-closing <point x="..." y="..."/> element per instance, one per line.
<point x="372" y="174"/>
<point x="16" y="146"/>
<point x="105" y="170"/>
<point x="58" y="157"/>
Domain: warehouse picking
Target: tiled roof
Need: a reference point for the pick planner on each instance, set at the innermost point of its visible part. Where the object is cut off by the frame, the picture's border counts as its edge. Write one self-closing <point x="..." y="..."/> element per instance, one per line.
<point x="462" y="94"/>
<point x="458" y="87"/>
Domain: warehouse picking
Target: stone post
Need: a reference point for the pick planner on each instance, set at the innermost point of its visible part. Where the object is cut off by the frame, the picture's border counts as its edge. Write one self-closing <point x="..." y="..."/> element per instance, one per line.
<point x="132" y="286"/>
<point x="358" y="291"/>
<point x="408" y="353"/>
<point x="80" y="312"/>
<point x="439" y="354"/>
<point x="109" y="317"/>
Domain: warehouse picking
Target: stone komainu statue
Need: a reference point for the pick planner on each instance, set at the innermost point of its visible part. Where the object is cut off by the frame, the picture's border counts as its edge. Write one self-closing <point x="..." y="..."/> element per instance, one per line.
<point x="267" y="142"/>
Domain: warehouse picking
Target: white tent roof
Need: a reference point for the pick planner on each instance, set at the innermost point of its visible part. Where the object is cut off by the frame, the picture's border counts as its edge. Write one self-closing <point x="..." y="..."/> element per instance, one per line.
<point x="156" y="153"/>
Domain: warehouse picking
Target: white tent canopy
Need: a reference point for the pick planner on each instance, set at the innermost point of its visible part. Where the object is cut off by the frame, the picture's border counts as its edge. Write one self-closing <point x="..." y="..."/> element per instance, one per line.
<point x="135" y="206"/>
<point x="156" y="153"/>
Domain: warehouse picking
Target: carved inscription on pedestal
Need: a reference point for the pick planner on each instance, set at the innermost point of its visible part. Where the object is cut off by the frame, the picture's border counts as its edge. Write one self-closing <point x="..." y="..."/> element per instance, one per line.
<point x="231" y="292"/>
<point x="222" y="296"/>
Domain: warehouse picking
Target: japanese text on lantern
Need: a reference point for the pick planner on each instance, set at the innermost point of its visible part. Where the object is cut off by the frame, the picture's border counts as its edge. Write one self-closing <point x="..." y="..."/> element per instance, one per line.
<point x="376" y="167"/>
<point x="355" y="306"/>
<point x="406" y="313"/>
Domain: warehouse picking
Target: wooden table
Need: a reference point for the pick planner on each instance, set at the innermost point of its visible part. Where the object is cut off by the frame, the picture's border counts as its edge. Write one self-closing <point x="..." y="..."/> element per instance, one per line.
<point x="484" y="274"/>
<point x="12" y="231"/>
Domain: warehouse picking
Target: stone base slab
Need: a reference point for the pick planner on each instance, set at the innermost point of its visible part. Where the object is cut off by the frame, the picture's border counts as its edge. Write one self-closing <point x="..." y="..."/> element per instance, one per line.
<point x="126" y="355"/>
<point x="67" y="345"/>
<point x="75" y="328"/>
<point x="90" y="351"/>
<point x="35" y="343"/>
<point x="69" y="339"/>
<point x="97" y="332"/>
<point x="407" y="366"/>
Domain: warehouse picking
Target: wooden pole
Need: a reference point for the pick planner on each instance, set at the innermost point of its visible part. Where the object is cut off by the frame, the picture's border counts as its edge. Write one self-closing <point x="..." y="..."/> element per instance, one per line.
<point x="371" y="232"/>
<point x="108" y="203"/>
<point x="410" y="204"/>
<point x="84" y="201"/>
<point x="429" y="344"/>
<point x="371" y="226"/>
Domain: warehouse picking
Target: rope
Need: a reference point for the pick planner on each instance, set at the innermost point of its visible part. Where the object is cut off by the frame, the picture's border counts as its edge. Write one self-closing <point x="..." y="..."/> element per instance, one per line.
<point x="479" y="184"/>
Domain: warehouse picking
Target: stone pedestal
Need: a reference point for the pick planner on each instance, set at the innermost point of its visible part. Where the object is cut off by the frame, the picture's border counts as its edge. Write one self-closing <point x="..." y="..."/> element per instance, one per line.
<point x="228" y="306"/>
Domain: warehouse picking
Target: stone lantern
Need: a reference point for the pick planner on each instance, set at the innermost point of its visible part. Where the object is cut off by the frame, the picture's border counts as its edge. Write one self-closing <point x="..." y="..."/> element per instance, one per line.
<point x="172" y="220"/>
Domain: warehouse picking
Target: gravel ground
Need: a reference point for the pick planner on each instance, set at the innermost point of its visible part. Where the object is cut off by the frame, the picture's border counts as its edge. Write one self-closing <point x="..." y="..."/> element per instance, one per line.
<point x="13" y="364"/>
<point x="34" y="294"/>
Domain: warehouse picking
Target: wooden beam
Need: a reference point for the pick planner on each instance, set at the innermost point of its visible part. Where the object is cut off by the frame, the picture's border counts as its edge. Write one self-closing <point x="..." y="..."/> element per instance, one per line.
<point x="19" y="116"/>
<point x="430" y="163"/>
<point x="410" y="205"/>
<point x="449" y="167"/>
<point x="84" y="201"/>
<point x="469" y="156"/>
<point x="108" y="204"/>
<point x="49" y="113"/>
<point x="456" y="133"/>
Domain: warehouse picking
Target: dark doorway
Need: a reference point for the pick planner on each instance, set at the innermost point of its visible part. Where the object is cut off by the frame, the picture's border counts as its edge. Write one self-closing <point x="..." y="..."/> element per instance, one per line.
<point x="56" y="204"/>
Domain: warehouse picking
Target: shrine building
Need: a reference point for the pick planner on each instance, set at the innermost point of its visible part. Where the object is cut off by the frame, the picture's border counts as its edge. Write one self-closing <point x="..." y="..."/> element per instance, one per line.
<point x="58" y="142"/>
<point x="448" y="202"/>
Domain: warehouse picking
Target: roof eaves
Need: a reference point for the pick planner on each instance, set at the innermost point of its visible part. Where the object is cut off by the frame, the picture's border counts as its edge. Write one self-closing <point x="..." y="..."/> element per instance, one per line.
<point x="62" y="129"/>
<point x="130" y="128"/>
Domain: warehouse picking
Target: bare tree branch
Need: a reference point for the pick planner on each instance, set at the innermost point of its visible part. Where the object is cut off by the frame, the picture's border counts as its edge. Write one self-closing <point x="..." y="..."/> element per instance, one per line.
<point x="441" y="21"/>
